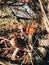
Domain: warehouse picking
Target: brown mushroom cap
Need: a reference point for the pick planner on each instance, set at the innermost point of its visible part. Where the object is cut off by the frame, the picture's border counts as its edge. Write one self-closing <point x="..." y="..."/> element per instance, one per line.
<point x="30" y="30"/>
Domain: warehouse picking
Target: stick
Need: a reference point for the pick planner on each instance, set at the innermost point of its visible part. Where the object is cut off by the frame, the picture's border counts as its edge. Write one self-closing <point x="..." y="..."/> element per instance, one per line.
<point x="45" y="19"/>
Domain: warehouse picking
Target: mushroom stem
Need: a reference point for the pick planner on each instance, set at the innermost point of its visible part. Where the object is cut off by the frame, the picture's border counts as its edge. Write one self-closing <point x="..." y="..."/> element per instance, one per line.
<point x="30" y="40"/>
<point x="21" y="31"/>
<point x="21" y="28"/>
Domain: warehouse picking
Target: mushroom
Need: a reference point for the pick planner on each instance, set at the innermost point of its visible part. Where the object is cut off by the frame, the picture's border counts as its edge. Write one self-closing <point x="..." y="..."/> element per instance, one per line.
<point x="13" y="44"/>
<point x="17" y="45"/>
<point x="21" y="28"/>
<point x="30" y="30"/>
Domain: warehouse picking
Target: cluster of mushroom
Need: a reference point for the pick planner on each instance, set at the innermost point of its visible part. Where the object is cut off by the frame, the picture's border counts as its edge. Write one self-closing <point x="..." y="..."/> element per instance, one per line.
<point x="13" y="41"/>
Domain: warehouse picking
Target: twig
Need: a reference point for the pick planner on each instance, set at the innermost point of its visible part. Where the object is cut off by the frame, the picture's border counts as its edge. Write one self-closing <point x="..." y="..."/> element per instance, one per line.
<point x="7" y="48"/>
<point x="4" y="38"/>
<point x="45" y="19"/>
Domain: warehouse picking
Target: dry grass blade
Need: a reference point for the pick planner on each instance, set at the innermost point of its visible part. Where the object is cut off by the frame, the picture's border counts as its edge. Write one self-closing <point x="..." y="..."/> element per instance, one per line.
<point x="45" y="19"/>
